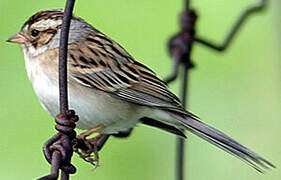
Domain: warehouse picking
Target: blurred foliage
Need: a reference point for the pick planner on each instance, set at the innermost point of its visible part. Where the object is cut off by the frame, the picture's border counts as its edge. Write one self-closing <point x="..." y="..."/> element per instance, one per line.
<point x="237" y="91"/>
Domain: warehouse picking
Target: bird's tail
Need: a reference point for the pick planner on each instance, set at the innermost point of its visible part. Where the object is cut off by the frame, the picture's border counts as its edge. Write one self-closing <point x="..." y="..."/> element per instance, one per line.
<point x="226" y="143"/>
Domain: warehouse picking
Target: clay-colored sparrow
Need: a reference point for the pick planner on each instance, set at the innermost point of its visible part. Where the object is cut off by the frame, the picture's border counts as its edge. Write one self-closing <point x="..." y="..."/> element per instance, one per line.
<point x="107" y="87"/>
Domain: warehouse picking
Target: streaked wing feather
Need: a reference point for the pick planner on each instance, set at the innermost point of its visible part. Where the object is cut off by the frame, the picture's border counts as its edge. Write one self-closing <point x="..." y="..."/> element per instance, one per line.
<point x="101" y="63"/>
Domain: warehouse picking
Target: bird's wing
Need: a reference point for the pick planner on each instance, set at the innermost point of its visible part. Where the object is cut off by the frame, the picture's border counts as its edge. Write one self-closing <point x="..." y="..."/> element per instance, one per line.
<point x="98" y="62"/>
<point x="102" y="64"/>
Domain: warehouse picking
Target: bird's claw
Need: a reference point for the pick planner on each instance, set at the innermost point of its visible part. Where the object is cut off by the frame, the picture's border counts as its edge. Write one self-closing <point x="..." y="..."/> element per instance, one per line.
<point x="87" y="150"/>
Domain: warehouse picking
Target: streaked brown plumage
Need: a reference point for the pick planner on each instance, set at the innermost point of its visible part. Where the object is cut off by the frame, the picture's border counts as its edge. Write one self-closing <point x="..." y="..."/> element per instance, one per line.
<point x="107" y="87"/>
<point x="110" y="68"/>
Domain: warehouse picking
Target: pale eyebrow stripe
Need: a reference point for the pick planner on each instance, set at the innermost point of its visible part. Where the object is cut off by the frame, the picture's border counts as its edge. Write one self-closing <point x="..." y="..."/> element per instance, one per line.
<point x="50" y="23"/>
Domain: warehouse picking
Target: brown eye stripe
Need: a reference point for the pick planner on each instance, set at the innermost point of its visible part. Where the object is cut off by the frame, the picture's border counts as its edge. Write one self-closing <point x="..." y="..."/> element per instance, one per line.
<point x="50" y="31"/>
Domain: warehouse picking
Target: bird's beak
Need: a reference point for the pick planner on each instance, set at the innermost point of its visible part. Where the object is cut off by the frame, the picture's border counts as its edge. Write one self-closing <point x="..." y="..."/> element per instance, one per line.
<point x="17" y="38"/>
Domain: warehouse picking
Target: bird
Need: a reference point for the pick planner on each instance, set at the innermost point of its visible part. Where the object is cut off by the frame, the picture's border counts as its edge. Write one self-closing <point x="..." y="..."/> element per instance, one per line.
<point x="110" y="91"/>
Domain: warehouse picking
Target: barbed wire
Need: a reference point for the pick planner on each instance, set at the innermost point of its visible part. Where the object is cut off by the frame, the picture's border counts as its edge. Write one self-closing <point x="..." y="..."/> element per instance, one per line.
<point x="180" y="47"/>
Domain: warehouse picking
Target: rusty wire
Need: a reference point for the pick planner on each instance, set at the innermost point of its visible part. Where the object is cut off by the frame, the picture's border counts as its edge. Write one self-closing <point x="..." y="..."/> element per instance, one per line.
<point x="235" y="28"/>
<point x="180" y="47"/>
<point x="58" y="150"/>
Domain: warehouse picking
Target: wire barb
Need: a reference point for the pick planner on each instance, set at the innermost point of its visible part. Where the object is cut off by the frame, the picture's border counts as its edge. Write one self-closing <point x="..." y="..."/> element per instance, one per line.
<point x="180" y="45"/>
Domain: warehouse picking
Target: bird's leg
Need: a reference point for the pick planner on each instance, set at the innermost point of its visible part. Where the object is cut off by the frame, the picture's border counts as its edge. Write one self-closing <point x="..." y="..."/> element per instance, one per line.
<point x="85" y="148"/>
<point x="84" y="135"/>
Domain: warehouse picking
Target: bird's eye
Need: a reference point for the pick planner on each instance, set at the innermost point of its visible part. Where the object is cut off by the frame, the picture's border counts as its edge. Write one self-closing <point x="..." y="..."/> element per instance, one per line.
<point x="35" y="33"/>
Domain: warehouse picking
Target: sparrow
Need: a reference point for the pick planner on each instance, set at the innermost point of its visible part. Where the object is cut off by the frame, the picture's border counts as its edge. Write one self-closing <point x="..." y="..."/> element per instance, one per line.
<point x="110" y="91"/>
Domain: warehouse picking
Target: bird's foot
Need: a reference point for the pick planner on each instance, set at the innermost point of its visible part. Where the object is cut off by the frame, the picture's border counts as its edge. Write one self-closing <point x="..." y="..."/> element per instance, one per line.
<point x="87" y="149"/>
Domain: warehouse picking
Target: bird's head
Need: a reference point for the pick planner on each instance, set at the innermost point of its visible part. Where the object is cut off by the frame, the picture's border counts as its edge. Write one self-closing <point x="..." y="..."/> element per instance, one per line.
<point x="41" y="31"/>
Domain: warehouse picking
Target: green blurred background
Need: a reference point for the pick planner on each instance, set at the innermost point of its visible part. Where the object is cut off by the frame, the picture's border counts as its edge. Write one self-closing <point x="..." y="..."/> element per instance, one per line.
<point x="237" y="91"/>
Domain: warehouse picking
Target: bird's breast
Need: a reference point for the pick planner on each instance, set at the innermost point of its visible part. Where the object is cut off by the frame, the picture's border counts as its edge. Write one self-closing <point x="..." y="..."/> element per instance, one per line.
<point x="93" y="106"/>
